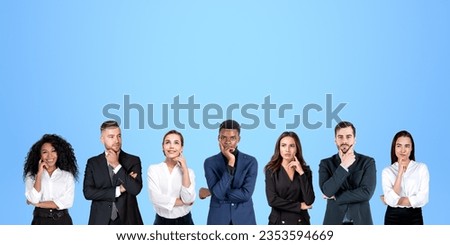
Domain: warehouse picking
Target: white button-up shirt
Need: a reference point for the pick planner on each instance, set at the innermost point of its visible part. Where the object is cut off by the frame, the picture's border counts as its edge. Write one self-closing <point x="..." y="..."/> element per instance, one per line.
<point x="414" y="185"/>
<point x="59" y="188"/>
<point x="165" y="187"/>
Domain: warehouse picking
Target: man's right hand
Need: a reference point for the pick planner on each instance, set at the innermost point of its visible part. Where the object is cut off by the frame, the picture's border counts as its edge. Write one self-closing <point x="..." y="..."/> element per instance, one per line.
<point x="112" y="158"/>
<point x="348" y="158"/>
<point x="228" y="153"/>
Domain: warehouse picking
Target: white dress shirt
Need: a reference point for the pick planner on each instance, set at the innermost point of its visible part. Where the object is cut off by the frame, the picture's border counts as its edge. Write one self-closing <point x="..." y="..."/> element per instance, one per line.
<point x="414" y="185"/>
<point x="59" y="188"/>
<point x="165" y="187"/>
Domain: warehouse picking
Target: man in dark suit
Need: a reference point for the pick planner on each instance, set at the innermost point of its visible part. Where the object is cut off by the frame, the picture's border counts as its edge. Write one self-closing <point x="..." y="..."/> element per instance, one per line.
<point x="112" y="180"/>
<point x="231" y="178"/>
<point x="347" y="180"/>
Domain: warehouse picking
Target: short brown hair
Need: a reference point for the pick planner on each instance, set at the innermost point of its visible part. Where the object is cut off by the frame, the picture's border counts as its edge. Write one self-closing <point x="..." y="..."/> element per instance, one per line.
<point x="109" y="124"/>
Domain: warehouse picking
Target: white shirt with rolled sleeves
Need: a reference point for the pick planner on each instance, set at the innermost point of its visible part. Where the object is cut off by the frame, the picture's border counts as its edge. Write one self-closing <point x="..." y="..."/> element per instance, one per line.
<point x="415" y="184"/>
<point x="165" y="187"/>
<point x="59" y="188"/>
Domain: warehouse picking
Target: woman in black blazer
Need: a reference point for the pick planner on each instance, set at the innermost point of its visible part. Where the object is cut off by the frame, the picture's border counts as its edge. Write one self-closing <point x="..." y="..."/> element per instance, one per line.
<point x="289" y="187"/>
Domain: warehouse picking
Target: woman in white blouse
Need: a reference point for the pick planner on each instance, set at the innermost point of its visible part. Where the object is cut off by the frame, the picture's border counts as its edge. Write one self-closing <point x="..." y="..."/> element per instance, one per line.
<point x="171" y="184"/>
<point x="405" y="183"/>
<point x="50" y="172"/>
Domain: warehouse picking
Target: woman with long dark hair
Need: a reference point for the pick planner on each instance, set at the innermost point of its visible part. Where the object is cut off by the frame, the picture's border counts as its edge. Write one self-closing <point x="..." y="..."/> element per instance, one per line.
<point x="289" y="187"/>
<point x="405" y="183"/>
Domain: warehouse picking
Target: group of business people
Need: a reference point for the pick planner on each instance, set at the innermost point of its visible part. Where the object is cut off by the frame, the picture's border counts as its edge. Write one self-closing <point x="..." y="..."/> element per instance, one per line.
<point x="113" y="179"/>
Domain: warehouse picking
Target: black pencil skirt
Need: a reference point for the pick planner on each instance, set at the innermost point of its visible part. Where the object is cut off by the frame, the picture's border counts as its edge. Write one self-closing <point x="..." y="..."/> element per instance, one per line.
<point x="403" y="216"/>
<point x="185" y="220"/>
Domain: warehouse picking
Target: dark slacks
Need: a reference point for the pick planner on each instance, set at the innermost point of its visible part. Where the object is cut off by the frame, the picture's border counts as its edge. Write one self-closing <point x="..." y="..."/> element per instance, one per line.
<point x="47" y="216"/>
<point x="184" y="220"/>
<point x="403" y="216"/>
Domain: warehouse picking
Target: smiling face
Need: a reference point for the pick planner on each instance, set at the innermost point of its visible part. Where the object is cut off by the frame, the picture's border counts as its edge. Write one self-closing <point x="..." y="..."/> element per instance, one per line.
<point x="288" y="148"/>
<point x="49" y="155"/>
<point x="172" y="146"/>
<point x="112" y="138"/>
<point x="403" y="148"/>
<point x="345" y="138"/>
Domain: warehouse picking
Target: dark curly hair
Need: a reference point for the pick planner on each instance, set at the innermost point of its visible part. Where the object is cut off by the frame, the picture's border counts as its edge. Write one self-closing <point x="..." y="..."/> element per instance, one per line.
<point x="66" y="156"/>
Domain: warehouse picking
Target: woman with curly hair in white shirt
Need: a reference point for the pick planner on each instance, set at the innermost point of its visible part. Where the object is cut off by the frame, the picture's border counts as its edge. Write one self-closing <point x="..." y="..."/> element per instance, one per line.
<point x="50" y="171"/>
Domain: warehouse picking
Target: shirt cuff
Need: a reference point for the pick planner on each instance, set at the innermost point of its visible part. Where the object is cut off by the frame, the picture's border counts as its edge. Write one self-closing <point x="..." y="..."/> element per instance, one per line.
<point x="118" y="191"/>
<point x="117" y="168"/>
<point x="346" y="169"/>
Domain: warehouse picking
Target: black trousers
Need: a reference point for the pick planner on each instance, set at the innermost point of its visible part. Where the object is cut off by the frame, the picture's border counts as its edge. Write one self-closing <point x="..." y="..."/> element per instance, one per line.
<point x="47" y="216"/>
<point x="403" y="216"/>
<point x="185" y="220"/>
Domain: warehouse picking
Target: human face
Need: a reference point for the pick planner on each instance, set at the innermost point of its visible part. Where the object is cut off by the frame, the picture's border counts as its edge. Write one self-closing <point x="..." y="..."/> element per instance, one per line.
<point x="229" y="138"/>
<point x="403" y="148"/>
<point x="172" y="147"/>
<point x="345" y="139"/>
<point x="49" y="155"/>
<point x="288" y="148"/>
<point x="112" y="138"/>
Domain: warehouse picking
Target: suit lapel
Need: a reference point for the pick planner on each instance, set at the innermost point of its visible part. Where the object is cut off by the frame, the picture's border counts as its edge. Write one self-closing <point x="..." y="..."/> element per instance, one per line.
<point x="238" y="171"/>
<point x="123" y="160"/>
<point x="104" y="168"/>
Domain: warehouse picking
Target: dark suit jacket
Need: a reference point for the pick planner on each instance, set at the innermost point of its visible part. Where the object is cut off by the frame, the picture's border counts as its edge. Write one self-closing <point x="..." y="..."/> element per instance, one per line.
<point x="97" y="187"/>
<point x="352" y="190"/>
<point x="231" y="195"/>
<point x="285" y="196"/>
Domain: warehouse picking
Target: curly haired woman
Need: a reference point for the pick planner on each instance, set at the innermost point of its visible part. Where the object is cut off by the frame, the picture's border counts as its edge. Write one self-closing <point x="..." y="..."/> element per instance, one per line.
<point x="50" y="172"/>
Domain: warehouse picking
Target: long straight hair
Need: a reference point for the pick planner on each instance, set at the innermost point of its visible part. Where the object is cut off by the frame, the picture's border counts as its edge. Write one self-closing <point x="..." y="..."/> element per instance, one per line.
<point x="402" y="133"/>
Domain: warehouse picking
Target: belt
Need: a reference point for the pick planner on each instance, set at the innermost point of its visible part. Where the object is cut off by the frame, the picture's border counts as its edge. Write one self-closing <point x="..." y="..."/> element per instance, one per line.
<point x="50" y="213"/>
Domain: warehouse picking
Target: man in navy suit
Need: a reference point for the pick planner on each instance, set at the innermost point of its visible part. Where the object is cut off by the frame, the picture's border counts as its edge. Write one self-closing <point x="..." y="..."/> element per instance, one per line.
<point x="112" y="180"/>
<point x="347" y="180"/>
<point x="231" y="178"/>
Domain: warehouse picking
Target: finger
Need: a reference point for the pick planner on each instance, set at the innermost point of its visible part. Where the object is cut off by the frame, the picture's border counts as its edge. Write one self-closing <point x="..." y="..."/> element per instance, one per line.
<point x="350" y="149"/>
<point x="109" y="153"/>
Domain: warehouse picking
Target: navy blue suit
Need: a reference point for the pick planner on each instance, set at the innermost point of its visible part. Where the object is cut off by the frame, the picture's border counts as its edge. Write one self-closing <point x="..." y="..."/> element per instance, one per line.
<point x="231" y="195"/>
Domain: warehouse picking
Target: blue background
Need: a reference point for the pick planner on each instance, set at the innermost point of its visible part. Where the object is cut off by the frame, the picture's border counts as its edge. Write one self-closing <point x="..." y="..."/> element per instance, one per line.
<point x="62" y="62"/>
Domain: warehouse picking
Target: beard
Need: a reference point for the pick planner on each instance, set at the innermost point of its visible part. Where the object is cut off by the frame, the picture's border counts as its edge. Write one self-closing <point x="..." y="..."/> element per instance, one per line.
<point x="115" y="148"/>
<point x="344" y="148"/>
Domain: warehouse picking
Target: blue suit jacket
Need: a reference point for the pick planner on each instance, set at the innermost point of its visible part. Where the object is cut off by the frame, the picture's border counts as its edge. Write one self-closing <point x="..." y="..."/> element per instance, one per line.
<point x="231" y="195"/>
<point x="352" y="190"/>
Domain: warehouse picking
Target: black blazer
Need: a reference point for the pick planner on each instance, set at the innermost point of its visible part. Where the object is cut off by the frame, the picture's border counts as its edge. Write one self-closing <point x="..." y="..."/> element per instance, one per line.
<point x="352" y="190"/>
<point x="97" y="187"/>
<point x="285" y="196"/>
